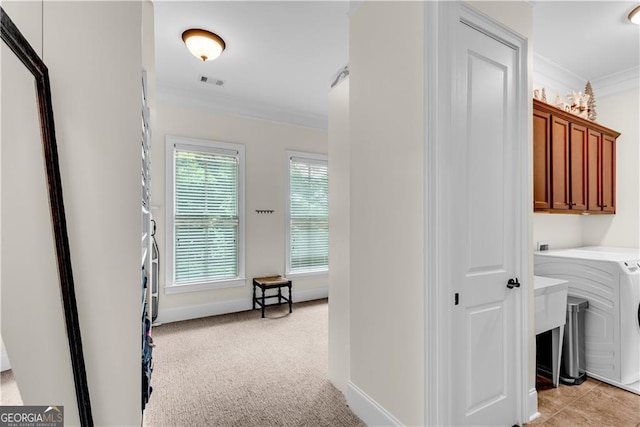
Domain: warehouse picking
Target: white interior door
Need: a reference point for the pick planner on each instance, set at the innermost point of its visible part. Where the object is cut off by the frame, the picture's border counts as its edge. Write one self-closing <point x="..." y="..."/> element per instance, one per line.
<point x="484" y="250"/>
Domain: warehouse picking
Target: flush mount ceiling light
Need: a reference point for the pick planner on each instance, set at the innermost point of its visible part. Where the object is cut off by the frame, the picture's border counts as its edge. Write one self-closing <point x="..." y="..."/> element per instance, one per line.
<point x="203" y="44"/>
<point x="634" y="15"/>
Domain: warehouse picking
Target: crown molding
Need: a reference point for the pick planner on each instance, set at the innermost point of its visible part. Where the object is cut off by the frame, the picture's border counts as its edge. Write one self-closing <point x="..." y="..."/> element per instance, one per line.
<point x="237" y="106"/>
<point x="551" y="75"/>
<point x="615" y="83"/>
<point x="555" y="76"/>
<point x="340" y="76"/>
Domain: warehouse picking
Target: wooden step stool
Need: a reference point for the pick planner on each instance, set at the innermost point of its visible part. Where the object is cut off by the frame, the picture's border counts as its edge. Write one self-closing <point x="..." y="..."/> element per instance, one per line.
<point x="271" y="282"/>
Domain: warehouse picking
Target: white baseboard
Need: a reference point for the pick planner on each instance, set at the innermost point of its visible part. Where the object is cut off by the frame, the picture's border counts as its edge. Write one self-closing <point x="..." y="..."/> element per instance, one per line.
<point x="367" y="409"/>
<point x="310" y="294"/>
<point x="533" y="405"/>
<point x="176" y="314"/>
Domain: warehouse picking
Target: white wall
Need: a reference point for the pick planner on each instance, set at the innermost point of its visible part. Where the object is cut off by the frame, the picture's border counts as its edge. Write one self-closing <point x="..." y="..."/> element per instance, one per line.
<point x="559" y="230"/>
<point x="339" y="160"/>
<point x="266" y="179"/>
<point x="386" y="202"/>
<point x="149" y="56"/>
<point x="15" y="98"/>
<point x="95" y="84"/>
<point x="620" y="112"/>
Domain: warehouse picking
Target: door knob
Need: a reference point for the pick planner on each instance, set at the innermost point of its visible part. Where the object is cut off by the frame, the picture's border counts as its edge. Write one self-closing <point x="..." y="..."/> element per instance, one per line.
<point x="513" y="283"/>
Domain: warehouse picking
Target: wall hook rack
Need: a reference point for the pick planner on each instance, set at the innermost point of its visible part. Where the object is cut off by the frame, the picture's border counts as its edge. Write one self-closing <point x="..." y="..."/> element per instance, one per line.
<point x="265" y="211"/>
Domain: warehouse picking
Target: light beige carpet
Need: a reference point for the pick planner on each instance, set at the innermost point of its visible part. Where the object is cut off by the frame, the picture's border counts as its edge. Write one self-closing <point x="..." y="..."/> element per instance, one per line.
<point x="242" y="370"/>
<point x="9" y="392"/>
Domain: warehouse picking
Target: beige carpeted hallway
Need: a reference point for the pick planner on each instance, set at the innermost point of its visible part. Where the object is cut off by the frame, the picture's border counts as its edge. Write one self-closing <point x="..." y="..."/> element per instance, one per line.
<point x="9" y="392"/>
<point x="241" y="370"/>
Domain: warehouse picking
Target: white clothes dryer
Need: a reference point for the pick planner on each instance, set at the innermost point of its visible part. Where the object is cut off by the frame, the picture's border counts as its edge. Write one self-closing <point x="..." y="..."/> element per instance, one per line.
<point x="609" y="278"/>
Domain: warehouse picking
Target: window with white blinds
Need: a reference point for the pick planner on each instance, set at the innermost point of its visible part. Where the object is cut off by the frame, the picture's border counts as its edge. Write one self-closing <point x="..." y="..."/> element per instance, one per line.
<point x="207" y="212"/>
<point x="308" y="227"/>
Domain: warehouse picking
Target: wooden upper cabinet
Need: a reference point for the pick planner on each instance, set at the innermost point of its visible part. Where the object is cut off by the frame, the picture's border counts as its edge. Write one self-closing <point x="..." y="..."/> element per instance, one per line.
<point x="541" y="160"/>
<point x="574" y="168"/>
<point x="559" y="164"/>
<point x="578" y="167"/>
<point x="601" y="161"/>
<point x="608" y="171"/>
<point x="594" y="178"/>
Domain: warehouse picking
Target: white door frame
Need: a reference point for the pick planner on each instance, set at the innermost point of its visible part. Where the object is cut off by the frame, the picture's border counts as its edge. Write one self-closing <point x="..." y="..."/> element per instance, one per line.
<point x="441" y="21"/>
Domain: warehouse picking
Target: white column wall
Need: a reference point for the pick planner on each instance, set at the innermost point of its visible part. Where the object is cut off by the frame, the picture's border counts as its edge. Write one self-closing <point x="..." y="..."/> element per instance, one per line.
<point x="339" y="159"/>
<point x="386" y="207"/>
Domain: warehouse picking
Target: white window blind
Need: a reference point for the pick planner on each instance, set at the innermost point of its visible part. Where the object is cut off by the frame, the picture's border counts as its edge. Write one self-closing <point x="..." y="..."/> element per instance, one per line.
<point x="206" y="215"/>
<point x="308" y="215"/>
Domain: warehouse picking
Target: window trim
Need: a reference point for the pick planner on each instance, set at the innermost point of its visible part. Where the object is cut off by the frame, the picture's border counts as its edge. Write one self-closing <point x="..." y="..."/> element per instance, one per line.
<point x="209" y="146"/>
<point x="320" y="158"/>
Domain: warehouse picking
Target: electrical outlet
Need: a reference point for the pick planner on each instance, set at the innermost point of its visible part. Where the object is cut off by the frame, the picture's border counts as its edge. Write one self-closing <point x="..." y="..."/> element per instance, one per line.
<point x="543" y="246"/>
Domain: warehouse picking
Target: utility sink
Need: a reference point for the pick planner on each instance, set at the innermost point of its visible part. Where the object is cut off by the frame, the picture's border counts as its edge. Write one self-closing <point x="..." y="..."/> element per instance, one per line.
<point x="550" y="303"/>
<point x="551" y="314"/>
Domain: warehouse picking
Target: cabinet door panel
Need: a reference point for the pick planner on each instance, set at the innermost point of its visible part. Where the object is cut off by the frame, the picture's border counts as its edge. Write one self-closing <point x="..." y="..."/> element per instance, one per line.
<point x="541" y="160"/>
<point x="577" y="167"/>
<point x="593" y="170"/>
<point x="559" y="164"/>
<point x="608" y="197"/>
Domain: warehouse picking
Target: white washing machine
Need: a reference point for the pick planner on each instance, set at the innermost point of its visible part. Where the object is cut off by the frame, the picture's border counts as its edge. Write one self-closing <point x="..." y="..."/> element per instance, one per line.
<point x="609" y="278"/>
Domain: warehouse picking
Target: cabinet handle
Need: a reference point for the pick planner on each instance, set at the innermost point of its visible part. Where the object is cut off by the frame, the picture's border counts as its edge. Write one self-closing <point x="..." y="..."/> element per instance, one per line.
<point x="603" y="206"/>
<point x="572" y="204"/>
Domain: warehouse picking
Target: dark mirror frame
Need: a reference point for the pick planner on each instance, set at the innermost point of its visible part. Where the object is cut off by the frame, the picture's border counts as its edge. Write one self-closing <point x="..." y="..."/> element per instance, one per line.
<point x="27" y="55"/>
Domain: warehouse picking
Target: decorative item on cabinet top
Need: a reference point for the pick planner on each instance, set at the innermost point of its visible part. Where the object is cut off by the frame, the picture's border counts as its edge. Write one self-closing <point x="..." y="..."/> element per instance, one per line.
<point x="581" y="104"/>
<point x="591" y="104"/>
<point x="574" y="169"/>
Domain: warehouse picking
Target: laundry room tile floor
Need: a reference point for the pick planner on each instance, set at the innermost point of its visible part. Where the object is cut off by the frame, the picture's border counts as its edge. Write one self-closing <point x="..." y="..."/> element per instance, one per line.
<point x="592" y="403"/>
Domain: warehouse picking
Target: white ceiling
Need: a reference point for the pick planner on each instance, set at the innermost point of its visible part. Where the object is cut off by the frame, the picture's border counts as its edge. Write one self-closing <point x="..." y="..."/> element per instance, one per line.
<point x="592" y="39"/>
<point x="282" y="55"/>
<point x="278" y="63"/>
